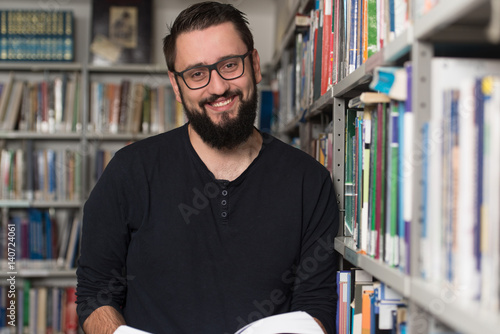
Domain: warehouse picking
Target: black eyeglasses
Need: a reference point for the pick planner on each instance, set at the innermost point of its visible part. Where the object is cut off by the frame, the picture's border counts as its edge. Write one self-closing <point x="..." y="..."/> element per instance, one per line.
<point x="229" y="68"/>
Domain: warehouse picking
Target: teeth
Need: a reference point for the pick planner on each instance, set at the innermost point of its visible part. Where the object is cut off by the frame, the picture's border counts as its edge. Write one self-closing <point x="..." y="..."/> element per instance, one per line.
<point x="222" y="103"/>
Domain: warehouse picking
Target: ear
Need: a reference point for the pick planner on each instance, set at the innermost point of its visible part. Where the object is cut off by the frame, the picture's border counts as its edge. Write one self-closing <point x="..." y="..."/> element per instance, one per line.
<point x="176" y="88"/>
<point x="256" y="66"/>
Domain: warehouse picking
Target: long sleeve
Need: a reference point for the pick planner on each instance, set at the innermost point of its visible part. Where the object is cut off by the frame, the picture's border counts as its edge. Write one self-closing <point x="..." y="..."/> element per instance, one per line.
<point x="315" y="284"/>
<point x="101" y="274"/>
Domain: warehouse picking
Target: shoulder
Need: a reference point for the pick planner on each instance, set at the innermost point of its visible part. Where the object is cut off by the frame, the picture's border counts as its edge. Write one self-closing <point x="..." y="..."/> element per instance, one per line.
<point x="142" y="156"/>
<point x="156" y="146"/>
<point x="288" y="156"/>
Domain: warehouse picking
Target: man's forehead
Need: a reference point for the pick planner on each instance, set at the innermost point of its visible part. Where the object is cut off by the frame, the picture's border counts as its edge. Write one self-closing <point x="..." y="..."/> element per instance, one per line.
<point x="206" y="46"/>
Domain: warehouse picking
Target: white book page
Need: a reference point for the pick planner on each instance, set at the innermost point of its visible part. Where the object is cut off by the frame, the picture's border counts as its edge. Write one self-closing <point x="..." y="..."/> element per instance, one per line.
<point x="291" y="322"/>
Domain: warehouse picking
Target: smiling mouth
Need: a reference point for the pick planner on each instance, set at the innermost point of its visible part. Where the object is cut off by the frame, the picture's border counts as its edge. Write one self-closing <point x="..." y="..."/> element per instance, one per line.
<point x="222" y="103"/>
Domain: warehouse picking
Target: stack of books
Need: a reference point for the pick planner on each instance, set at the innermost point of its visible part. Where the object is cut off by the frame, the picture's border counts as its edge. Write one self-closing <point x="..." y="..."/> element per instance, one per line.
<point x="36" y="35"/>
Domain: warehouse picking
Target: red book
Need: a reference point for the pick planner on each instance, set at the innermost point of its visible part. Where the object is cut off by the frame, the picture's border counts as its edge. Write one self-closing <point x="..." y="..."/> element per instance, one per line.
<point x="71" y="316"/>
<point x="326" y="68"/>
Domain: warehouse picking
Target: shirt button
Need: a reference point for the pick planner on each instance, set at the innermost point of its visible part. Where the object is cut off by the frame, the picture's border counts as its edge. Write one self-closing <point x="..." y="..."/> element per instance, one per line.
<point x="224" y="192"/>
<point x="224" y="202"/>
<point x="224" y="214"/>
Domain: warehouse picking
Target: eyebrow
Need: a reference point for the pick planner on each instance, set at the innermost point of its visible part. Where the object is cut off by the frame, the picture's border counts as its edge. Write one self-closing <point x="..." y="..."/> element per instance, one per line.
<point x="205" y="64"/>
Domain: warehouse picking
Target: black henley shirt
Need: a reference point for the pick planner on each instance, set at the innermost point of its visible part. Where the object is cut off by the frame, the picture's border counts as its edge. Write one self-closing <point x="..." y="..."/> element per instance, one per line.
<point x="177" y="251"/>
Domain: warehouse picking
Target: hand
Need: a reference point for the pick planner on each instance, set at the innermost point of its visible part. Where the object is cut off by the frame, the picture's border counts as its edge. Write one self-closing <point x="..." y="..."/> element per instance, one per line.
<point x="320" y="325"/>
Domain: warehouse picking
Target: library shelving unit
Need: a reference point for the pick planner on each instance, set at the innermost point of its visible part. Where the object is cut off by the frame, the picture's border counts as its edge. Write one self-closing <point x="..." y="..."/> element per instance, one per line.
<point x="84" y="141"/>
<point x="456" y="29"/>
<point x="89" y="140"/>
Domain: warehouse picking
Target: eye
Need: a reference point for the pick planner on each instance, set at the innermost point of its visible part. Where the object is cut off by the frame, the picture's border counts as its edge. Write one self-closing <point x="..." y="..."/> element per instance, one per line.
<point x="229" y="65"/>
<point x="197" y="74"/>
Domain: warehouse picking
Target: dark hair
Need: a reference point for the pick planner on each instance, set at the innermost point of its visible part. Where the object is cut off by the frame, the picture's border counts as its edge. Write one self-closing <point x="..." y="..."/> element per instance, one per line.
<point x="201" y="16"/>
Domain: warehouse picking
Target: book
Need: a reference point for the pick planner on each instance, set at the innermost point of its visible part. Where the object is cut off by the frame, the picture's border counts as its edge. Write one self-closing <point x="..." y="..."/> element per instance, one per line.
<point x="123" y="329"/>
<point x="5" y="96"/>
<point x="366" y="155"/>
<point x="405" y="190"/>
<point x="366" y="308"/>
<point x="344" y="287"/>
<point x="390" y="80"/>
<point x="368" y="98"/>
<point x="297" y="322"/>
<point x="36" y="35"/>
<point x="371" y="29"/>
<point x="352" y="34"/>
<point x="41" y="320"/>
<point x="71" y="317"/>
<point x="362" y="282"/>
<point x="318" y="51"/>
<point x="391" y="253"/>
<point x="490" y="250"/>
<point x="350" y="193"/>
<point x="121" y="32"/>
<point x="72" y="248"/>
<point x="337" y="43"/>
<point x="454" y="74"/>
<point x="326" y="67"/>
<point x="384" y="305"/>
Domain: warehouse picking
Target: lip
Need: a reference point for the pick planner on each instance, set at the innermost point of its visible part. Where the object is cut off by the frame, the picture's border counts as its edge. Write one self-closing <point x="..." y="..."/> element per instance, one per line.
<point x="223" y="103"/>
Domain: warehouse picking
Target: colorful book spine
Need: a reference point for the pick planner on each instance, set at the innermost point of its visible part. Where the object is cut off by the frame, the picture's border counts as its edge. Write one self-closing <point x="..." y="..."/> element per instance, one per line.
<point x="50" y="39"/>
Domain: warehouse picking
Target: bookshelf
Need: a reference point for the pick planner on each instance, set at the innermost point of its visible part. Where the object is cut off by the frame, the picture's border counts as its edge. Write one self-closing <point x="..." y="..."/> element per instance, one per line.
<point x="88" y="141"/>
<point x="451" y="29"/>
<point x="83" y="140"/>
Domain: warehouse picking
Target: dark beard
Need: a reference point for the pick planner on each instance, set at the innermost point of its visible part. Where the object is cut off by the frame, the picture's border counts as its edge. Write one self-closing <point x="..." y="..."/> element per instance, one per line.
<point x="230" y="132"/>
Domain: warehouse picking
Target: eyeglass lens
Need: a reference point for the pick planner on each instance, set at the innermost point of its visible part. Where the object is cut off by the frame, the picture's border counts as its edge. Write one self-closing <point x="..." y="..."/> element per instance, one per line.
<point x="228" y="69"/>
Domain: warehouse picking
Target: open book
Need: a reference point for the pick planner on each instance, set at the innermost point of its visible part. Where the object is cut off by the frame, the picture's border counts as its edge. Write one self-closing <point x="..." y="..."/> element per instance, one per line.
<point x="298" y="322"/>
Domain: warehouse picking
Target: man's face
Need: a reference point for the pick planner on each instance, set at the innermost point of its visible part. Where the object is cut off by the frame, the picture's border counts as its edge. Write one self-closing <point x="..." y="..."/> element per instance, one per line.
<point x="223" y="112"/>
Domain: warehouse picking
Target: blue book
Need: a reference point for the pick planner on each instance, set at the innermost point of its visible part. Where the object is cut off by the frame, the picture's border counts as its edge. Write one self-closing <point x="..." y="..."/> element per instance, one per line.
<point x="35" y="234"/>
<point x="353" y="36"/>
<point x="392" y="19"/>
<point x="51" y="172"/>
<point x="48" y="234"/>
<point x="479" y="121"/>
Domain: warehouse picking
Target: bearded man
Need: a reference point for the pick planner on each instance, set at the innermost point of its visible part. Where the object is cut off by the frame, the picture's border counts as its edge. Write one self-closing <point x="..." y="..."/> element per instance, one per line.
<point x="212" y="225"/>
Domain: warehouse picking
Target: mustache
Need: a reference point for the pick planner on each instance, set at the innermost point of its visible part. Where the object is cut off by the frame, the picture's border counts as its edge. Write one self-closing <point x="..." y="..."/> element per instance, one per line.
<point x="227" y="94"/>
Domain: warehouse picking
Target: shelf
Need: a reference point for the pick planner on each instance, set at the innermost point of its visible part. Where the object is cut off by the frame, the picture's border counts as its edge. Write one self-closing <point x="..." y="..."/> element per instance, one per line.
<point x="467" y="316"/>
<point x="118" y="136"/>
<point x="399" y="47"/>
<point x="12" y="203"/>
<point x="391" y="276"/>
<point x="62" y="66"/>
<point x="42" y="277"/>
<point x="320" y="104"/>
<point x="129" y="68"/>
<point x="349" y="84"/>
<point x="293" y="125"/>
<point x="40" y="135"/>
<point x="39" y="66"/>
<point x="455" y="21"/>
<point x="36" y="273"/>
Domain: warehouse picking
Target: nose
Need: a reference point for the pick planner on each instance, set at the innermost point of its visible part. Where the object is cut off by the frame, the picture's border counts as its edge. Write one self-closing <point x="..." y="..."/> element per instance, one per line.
<point x="217" y="85"/>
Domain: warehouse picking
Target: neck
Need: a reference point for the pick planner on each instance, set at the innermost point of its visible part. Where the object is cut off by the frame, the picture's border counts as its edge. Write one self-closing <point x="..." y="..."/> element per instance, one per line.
<point x="227" y="164"/>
